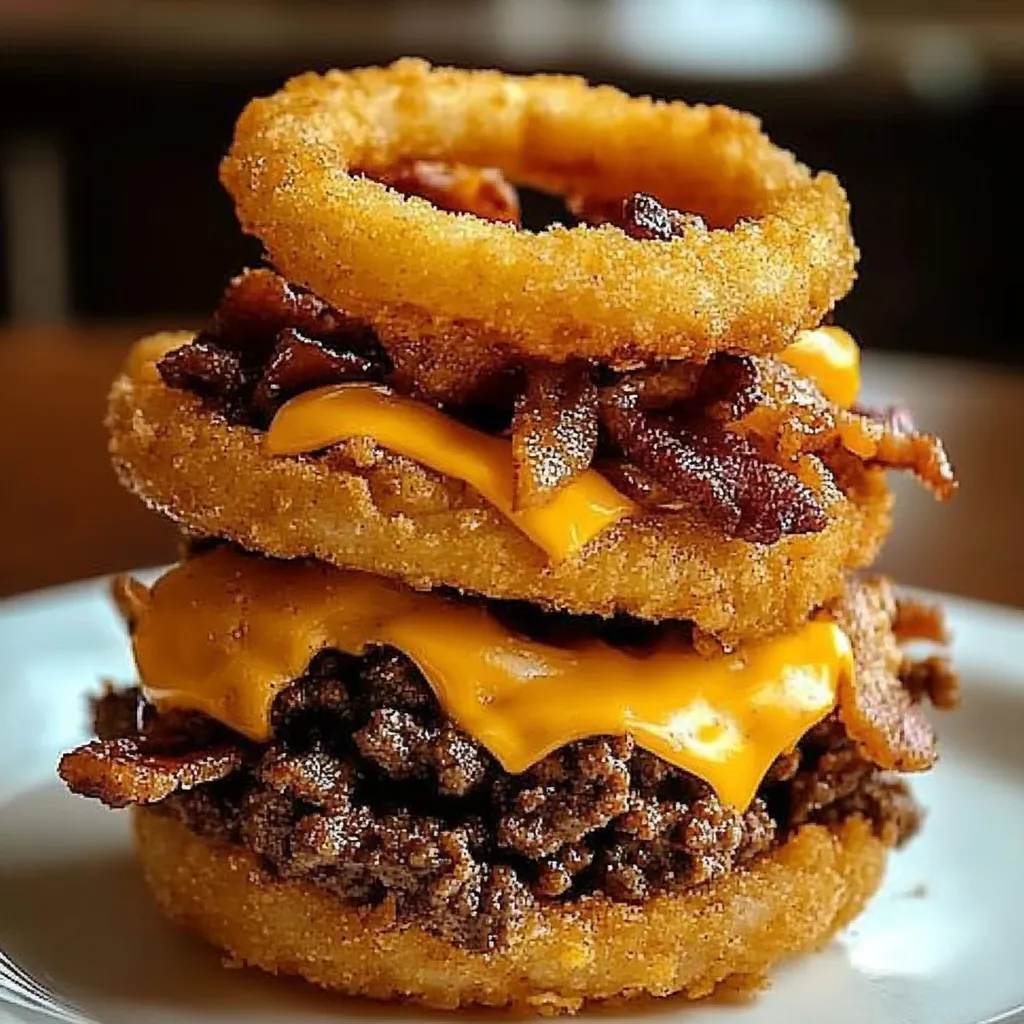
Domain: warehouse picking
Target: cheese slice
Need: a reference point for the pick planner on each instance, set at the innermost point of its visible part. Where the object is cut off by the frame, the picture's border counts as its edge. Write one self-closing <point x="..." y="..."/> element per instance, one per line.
<point x="224" y="633"/>
<point x="831" y="358"/>
<point x="316" y="419"/>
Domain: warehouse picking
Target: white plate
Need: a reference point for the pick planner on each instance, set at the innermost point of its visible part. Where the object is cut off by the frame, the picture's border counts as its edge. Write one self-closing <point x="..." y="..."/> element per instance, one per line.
<point x="943" y="943"/>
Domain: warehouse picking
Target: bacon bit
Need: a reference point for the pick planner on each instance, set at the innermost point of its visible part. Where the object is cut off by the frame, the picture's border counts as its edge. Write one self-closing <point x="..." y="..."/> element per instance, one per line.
<point x="916" y="620"/>
<point x="881" y="715"/>
<point x="554" y="431"/>
<point x="458" y="188"/>
<point x="128" y="771"/>
<point x="793" y="415"/>
<point x="633" y="482"/>
<point x="640" y="215"/>
<point x="725" y="388"/>
<point x="722" y="475"/>
<point x="300" y="364"/>
<point x="934" y="678"/>
<point x="258" y="304"/>
<point x="268" y="341"/>
<point x="922" y="454"/>
<point x="204" y="368"/>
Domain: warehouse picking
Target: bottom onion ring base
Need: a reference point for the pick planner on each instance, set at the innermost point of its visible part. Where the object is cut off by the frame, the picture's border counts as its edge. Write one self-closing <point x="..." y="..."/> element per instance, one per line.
<point x="734" y="929"/>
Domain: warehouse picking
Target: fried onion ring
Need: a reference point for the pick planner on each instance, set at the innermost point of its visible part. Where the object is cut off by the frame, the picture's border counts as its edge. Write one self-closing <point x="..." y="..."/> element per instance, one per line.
<point x="360" y="506"/>
<point x="776" y="257"/>
<point x="788" y="901"/>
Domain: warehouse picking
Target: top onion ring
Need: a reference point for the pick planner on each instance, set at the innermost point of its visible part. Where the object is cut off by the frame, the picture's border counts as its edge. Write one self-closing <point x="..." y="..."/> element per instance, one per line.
<point x="778" y="256"/>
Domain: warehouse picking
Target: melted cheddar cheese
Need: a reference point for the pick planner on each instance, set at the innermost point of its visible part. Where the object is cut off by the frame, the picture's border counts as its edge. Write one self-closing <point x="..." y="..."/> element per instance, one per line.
<point x="579" y="511"/>
<point x="224" y="633"/>
<point x="316" y="419"/>
<point x="831" y="358"/>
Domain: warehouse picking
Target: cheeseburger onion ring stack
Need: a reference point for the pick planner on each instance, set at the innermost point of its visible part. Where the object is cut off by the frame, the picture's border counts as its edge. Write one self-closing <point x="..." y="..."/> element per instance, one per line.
<point x="515" y="656"/>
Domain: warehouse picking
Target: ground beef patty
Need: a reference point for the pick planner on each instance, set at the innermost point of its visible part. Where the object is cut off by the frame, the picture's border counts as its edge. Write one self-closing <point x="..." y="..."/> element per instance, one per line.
<point x="370" y="792"/>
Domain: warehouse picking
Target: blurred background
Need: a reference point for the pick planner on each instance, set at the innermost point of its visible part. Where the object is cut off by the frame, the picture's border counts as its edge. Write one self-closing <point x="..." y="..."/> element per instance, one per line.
<point x="115" y="113"/>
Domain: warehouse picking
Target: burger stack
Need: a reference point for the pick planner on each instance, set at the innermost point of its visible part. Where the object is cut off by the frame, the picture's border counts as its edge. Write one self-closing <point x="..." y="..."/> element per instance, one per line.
<point x="516" y="654"/>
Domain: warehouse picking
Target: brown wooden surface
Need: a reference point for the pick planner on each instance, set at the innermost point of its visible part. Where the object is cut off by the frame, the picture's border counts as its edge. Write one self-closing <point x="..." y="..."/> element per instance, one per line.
<point x="63" y="515"/>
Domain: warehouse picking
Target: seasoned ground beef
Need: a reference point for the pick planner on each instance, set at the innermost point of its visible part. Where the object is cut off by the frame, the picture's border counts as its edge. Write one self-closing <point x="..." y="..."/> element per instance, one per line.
<point x="368" y="790"/>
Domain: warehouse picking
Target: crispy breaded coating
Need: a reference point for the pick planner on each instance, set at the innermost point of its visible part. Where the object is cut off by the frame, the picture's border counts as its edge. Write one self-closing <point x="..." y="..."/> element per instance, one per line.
<point x="362" y="507"/>
<point x="736" y="927"/>
<point x="770" y="253"/>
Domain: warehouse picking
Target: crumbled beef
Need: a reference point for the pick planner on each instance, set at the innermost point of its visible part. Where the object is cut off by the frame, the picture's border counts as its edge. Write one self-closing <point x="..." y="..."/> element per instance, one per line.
<point x="568" y="795"/>
<point x="369" y="791"/>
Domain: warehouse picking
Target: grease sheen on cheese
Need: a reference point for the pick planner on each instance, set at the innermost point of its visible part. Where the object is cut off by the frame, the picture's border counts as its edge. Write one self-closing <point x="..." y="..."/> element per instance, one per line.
<point x="576" y="514"/>
<point x="224" y="633"/>
<point x="579" y="511"/>
<point x="831" y="358"/>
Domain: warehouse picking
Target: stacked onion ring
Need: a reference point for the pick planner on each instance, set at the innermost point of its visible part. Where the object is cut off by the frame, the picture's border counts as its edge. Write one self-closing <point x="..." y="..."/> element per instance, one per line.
<point x="635" y="433"/>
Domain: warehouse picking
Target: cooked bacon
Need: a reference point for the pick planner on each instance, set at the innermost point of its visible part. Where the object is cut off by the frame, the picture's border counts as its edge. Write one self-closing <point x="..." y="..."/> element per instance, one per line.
<point x="880" y="704"/>
<point x="483" y="191"/>
<point x="916" y="620"/>
<point x="921" y="454"/>
<point x="205" y="369"/>
<point x="932" y="678"/>
<point x="723" y="389"/>
<point x="640" y="215"/>
<point x="792" y="417"/>
<point x="299" y="364"/>
<point x="258" y="304"/>
<point x="129" y="771"/>
<point x="720" y="474"/>
<point x="554" y="431"/>
<point x="269" y="340"/>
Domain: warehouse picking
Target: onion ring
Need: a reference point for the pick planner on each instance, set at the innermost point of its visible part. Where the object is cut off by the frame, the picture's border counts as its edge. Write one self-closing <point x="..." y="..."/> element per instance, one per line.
<point x="359" y="506"/>
<point x="777" y="256"/>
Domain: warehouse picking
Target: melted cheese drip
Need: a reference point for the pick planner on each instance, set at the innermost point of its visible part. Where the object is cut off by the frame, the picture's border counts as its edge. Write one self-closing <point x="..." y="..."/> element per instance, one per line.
<point x="224" y="634"/>
<point x="831" y="358"/>
<point x="316" y="419"/>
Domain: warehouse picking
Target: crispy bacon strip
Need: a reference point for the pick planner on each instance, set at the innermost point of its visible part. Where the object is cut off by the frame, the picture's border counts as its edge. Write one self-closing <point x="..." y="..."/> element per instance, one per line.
<point x="702" y="466"/>
<point x="126" y="771"/>
<point x="792" y="416"/>
<point x="880" y="705"/>
<point x="554" y="431"/>
<point x="458" y="188"/>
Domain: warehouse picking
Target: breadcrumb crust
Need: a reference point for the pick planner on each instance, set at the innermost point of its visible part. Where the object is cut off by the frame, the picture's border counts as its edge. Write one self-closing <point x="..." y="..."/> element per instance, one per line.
<point x="361" y="507"/>
<point x="787" y="902"/>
